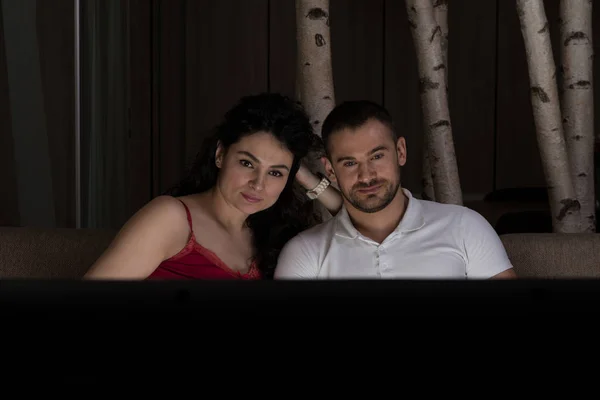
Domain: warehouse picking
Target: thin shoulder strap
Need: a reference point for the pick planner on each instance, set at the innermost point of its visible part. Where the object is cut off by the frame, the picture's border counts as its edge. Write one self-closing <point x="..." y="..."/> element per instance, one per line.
<point x="189" y="215"/>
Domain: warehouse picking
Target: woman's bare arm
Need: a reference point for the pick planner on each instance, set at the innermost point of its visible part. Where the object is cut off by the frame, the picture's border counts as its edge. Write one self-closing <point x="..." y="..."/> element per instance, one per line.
<point x="153" y="234"/>
<point x="330" y="198"/>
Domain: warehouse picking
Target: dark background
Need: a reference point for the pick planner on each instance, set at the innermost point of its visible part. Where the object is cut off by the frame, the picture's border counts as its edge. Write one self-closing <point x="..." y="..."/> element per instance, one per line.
<point x="188" y="61"/>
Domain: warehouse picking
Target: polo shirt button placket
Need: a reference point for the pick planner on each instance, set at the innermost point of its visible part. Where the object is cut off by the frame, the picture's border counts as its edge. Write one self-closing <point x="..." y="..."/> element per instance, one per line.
<point x="382" y="266"/>
<point x="377" y="261"/>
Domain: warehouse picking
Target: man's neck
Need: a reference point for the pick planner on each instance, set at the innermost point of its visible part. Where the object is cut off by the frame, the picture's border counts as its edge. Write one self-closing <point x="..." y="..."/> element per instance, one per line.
<point x="379" y="225"/>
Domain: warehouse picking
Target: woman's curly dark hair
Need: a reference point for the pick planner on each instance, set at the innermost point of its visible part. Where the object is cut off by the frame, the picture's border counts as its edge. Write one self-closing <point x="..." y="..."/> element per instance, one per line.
<point x="292" y="213"/>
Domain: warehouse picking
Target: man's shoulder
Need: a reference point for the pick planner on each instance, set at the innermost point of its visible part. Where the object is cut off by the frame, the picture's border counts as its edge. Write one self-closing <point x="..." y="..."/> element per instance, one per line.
<point x="317" y="233"/>
<point x="433" y="209"/>
<point x="468" y="219"/>
<point x="300" y="256"/>
<point x="459" y="216"/>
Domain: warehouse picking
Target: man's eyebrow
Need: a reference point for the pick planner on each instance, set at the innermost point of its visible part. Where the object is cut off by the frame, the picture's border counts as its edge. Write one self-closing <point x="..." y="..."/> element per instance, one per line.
<point x="256" y="160"/>
<point x="378" y="148"/>
<point x="375" y="150"/>
<point x="345" y="159"/>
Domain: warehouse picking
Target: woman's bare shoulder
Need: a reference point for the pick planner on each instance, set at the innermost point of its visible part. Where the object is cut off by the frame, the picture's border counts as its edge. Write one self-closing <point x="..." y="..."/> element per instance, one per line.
<point x="197" y="204"/>
<point x="157" y="210"/>
<point x="158" y="230"/>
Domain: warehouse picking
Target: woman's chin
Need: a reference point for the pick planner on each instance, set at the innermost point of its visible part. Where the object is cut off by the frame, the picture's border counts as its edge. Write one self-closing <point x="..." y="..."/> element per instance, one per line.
<point x="250" y="208"/>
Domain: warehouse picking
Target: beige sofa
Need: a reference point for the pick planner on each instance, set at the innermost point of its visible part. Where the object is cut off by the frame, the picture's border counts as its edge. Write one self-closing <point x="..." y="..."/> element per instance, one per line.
<point x="50" y="253"/>
<point x="68" y="253"/>
<point x="554" y="255"/>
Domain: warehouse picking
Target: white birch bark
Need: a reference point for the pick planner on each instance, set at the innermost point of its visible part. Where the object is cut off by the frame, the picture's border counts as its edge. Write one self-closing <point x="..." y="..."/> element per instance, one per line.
<point x="578" y="102"/>
<point x="313" y="69"/>
<point x="427" y="38"/>
<point x="440" y="13"/>
<point x="427" y="181"/>
<point x="547" y="115"/>
<point x="314" y="75"/>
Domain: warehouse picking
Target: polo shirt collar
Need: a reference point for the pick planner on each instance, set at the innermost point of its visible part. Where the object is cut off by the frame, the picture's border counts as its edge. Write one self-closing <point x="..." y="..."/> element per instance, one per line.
<point x="412" y="220"/>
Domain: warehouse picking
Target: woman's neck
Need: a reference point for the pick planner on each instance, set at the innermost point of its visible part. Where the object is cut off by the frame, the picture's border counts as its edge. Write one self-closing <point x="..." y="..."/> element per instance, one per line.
<point x="225" y="214"/>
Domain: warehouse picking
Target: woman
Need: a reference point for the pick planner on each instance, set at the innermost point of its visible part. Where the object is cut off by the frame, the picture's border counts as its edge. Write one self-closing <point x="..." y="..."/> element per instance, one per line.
<point x="230" y="217"/>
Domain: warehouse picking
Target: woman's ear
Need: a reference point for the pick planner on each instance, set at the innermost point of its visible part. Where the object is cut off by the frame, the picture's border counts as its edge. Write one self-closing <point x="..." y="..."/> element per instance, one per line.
<point x="219" y="154"/>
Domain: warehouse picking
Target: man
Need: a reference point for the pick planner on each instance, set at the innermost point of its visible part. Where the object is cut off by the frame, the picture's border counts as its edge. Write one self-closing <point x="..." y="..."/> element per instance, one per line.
<point x="382" y="231"/>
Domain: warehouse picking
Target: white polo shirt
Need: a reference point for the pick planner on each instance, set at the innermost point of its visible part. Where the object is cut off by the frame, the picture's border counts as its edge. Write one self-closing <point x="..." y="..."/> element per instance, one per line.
<point x="433" y="240"/>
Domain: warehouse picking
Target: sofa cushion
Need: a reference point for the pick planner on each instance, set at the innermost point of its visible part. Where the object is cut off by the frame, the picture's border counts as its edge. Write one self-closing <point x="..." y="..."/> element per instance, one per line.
<point x="554" y="255"/>
<point x="50" y="253"/>
<point x="68" y="253"/>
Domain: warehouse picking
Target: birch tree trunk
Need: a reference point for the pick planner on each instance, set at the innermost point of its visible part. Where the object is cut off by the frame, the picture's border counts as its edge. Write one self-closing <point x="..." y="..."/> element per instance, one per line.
<point x="578" y="102"/>
<point x="427" y="38"/>
<point x="440" y="13"/>
<point x="313" y="69"/>
<point x="547" y="115"/>
<point x="314" y="76"/>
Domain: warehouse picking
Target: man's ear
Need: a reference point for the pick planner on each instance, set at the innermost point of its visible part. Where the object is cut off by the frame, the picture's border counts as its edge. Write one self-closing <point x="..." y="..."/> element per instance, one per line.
<point x="328" y="169"/>
<point x="401" y="149"/>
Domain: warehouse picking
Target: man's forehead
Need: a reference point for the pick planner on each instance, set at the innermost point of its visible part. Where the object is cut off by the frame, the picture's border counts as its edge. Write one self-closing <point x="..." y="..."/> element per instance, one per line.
<point x="363" y="139"/>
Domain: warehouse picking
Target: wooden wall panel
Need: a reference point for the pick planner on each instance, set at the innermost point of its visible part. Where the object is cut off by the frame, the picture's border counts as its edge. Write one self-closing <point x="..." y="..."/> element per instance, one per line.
<point x="596" y="39"/>
<point x="401" y="92"/>
<point x="34" y="172"/>
<point x="357" y="40"/>
<point x="158" y="95"/>
<point x="226" y="58"/>
<point x="56" y="41"/>
<point x="9" y="201"/>
<point x="471" y="97"/>
<point x="282" y="47"/>
<point x="518" y="162"/>
<point x="471" y="90"/>
<point x="173" y="91"/>
<point x="356" y="46"/>
<point x="140" y="107"/>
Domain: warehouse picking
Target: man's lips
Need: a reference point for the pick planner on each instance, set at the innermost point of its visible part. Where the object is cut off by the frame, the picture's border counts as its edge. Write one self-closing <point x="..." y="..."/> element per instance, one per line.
<point x="251" y="199"/>
<point x="370" y="189"/>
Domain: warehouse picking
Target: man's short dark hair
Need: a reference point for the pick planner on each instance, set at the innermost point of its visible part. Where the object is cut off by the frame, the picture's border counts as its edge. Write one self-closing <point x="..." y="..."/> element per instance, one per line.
<point x="353" y="114"/>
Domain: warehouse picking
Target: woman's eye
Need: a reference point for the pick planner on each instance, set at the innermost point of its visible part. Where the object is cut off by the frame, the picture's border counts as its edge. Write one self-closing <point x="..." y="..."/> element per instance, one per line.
<point x="246" y="163"/>
<point x="276" y="173"/>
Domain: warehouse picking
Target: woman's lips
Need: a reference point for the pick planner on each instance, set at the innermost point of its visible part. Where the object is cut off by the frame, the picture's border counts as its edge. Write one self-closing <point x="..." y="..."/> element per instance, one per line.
<point x="251" y="199"/>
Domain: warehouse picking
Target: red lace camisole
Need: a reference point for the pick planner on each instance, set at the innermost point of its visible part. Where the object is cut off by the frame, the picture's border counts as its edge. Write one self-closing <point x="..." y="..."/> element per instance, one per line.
<point x="197" y="262"/>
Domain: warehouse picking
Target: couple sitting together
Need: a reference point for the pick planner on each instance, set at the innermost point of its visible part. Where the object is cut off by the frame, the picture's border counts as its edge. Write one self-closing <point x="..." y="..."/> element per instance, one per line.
<point x="240" y="213"/>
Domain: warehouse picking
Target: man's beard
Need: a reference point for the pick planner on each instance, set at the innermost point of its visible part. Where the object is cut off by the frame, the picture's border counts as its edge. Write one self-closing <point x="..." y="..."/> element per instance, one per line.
<point x="372" y="203"/>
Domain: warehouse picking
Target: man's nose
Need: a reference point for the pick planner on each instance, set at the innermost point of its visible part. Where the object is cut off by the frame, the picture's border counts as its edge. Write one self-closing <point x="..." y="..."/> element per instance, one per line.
<point x="365" y="173"/>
